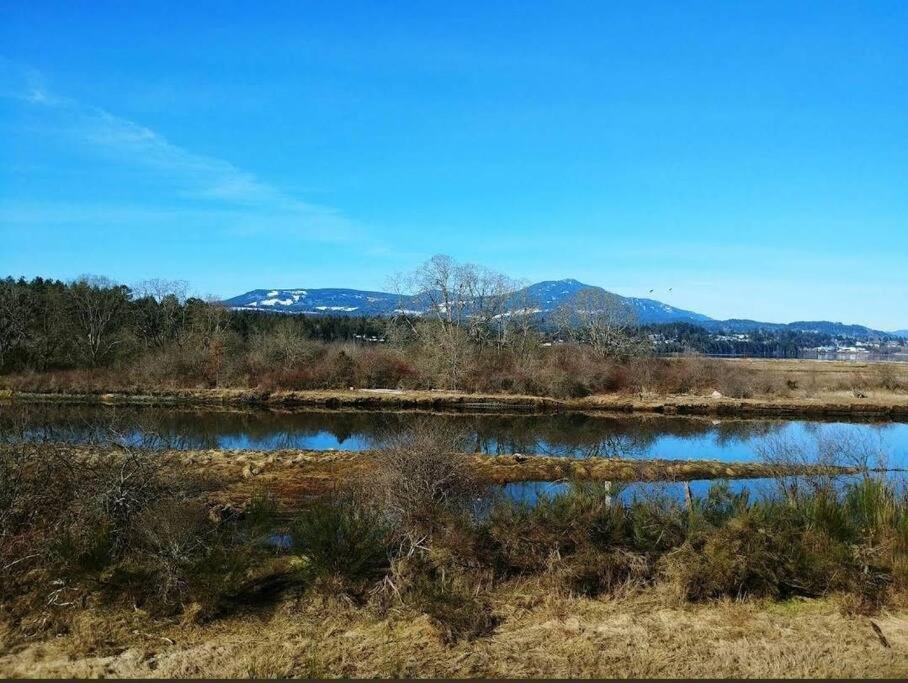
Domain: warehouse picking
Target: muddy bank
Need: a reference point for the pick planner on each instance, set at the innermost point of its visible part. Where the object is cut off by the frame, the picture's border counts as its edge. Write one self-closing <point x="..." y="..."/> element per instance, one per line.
<point x="888" y="406"/>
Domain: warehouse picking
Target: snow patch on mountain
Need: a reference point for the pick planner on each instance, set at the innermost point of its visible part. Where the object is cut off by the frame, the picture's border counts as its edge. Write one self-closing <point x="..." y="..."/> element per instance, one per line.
<point x="541" y="299"/>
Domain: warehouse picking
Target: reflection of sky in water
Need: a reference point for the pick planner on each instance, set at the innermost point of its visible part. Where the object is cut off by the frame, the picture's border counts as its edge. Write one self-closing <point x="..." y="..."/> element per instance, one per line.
<point x="562" y="434"/>
<point x="709" y="446"/>
<point x="320" y="441"/>
<point x="530" y="492"/>
<point x="892" y="437"/>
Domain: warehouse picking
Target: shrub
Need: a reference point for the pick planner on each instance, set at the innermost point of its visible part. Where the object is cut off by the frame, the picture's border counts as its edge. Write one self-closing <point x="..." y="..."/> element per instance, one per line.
<point x="594" y="572"/>
<point x="342" y="539"/>
<point x="818" y="543"/>
<point x="123" y="522"/>
<point x="530" y="537"/>
<point x="384" y="368"/>
<point x="657" y="523"/>
<point x="454" y="603"/>
<point x="260" y="513"/>
<point x="420" y="480"/>
<point x="752" y="555"/>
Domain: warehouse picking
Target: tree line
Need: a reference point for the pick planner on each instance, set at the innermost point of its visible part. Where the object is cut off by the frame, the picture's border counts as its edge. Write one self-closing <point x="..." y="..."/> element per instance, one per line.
<point x="93" y="322"/>
<point x="476" y="330"/>
<point x="472" y="332"/>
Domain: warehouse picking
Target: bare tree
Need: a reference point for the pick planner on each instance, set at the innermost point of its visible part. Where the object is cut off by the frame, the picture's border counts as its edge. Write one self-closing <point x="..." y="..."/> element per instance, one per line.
<point x="519" y="324"/>
<point x="13" y="319"/>
<point x="97" y="305"/>
<point x="209" y="326"/>
<point x="284" y="347"/>
<point x="600" y="319"/>
<point x="448" y="305"/>
<point x="488" y="296"/>
<point x="161" y="311"/>
<point x="160" y="289"/>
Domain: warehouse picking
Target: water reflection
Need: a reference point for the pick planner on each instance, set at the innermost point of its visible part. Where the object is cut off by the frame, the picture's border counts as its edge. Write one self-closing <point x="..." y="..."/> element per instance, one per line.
<point x="562" y="434"/>
<point x="531" y="492"/>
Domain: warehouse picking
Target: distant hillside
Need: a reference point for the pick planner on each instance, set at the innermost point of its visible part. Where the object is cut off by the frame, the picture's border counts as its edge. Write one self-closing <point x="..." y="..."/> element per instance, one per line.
<point x="317" y="301"/>
<point x="543" y="298"/>
<point x="818" y="326"/>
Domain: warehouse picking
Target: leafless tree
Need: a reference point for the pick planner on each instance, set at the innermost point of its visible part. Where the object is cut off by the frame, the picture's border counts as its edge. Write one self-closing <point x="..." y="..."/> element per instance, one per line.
<point x="449" y="306"/>
<point x="488" y="303"/>
<point x="519" y="324"/>
<point x="600" y="319"/>
<point x="97" y="304"/>
<point x="159" y="322"/>
<point x="285" y="347"/>
<point x="13" y="319"/>
<point x="160" y="289"/>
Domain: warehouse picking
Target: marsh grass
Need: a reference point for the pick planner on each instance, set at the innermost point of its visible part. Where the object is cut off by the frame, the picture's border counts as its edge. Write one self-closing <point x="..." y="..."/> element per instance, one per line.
<point x="134" y="531"/>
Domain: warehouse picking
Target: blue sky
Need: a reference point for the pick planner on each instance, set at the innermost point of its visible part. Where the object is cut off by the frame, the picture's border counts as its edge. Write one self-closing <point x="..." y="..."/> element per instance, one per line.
<point x="752" y="156"/>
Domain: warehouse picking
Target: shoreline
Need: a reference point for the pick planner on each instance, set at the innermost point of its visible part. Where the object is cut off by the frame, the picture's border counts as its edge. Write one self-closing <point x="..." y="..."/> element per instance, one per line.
<point x="890" y="406"/>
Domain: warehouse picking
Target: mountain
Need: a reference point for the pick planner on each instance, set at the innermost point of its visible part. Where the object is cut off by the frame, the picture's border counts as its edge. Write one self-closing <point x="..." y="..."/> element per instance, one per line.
<point x="901" y="333"/>
<point x="551" y="294"/>
<point x="542" y="298"/>
<point x="317" y="301"/>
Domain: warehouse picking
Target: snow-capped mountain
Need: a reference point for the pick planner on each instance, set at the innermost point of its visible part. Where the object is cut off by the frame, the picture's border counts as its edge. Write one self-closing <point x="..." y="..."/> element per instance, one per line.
<point x="551" y="294"/>
<point x="317" y="301"/>
<point x="541" y="298"/>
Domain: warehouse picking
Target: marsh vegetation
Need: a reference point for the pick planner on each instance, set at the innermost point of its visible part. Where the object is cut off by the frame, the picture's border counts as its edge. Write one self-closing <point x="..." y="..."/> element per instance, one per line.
<point x="99" y="530"/>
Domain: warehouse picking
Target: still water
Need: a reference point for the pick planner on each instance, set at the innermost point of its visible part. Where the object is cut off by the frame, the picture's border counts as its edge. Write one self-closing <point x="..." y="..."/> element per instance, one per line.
<point x="561" y="434"/>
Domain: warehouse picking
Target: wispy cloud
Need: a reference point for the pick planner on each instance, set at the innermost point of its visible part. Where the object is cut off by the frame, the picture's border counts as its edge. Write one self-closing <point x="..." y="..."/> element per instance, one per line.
<point x="212" y="181"/>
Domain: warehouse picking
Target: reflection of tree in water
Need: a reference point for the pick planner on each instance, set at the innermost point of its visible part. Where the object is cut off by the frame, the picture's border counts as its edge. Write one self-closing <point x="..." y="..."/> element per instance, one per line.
<point x="575" y="434"/>
<point x="179" y="427"/>
<point x="730" y="432"/>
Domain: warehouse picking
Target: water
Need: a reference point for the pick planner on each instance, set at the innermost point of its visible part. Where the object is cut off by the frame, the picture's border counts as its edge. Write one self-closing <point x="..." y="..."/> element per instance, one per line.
<point x="562" y="434"/>
<point x="530" y="492"/>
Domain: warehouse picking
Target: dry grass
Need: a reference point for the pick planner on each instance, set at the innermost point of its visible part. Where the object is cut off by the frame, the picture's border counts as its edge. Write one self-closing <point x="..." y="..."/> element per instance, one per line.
<point x="539" y="635"/>
<point x="294" y="476"/>
<point x="468" y="606"/>
<point x="749" y="387"/>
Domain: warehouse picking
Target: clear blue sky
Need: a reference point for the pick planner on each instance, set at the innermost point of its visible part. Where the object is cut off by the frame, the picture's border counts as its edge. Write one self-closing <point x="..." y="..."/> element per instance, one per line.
<point x="752" y="156"/>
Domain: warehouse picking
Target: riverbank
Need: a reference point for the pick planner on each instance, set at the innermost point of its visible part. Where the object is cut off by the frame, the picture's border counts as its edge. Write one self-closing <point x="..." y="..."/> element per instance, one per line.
<point x="876" y="405"/>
